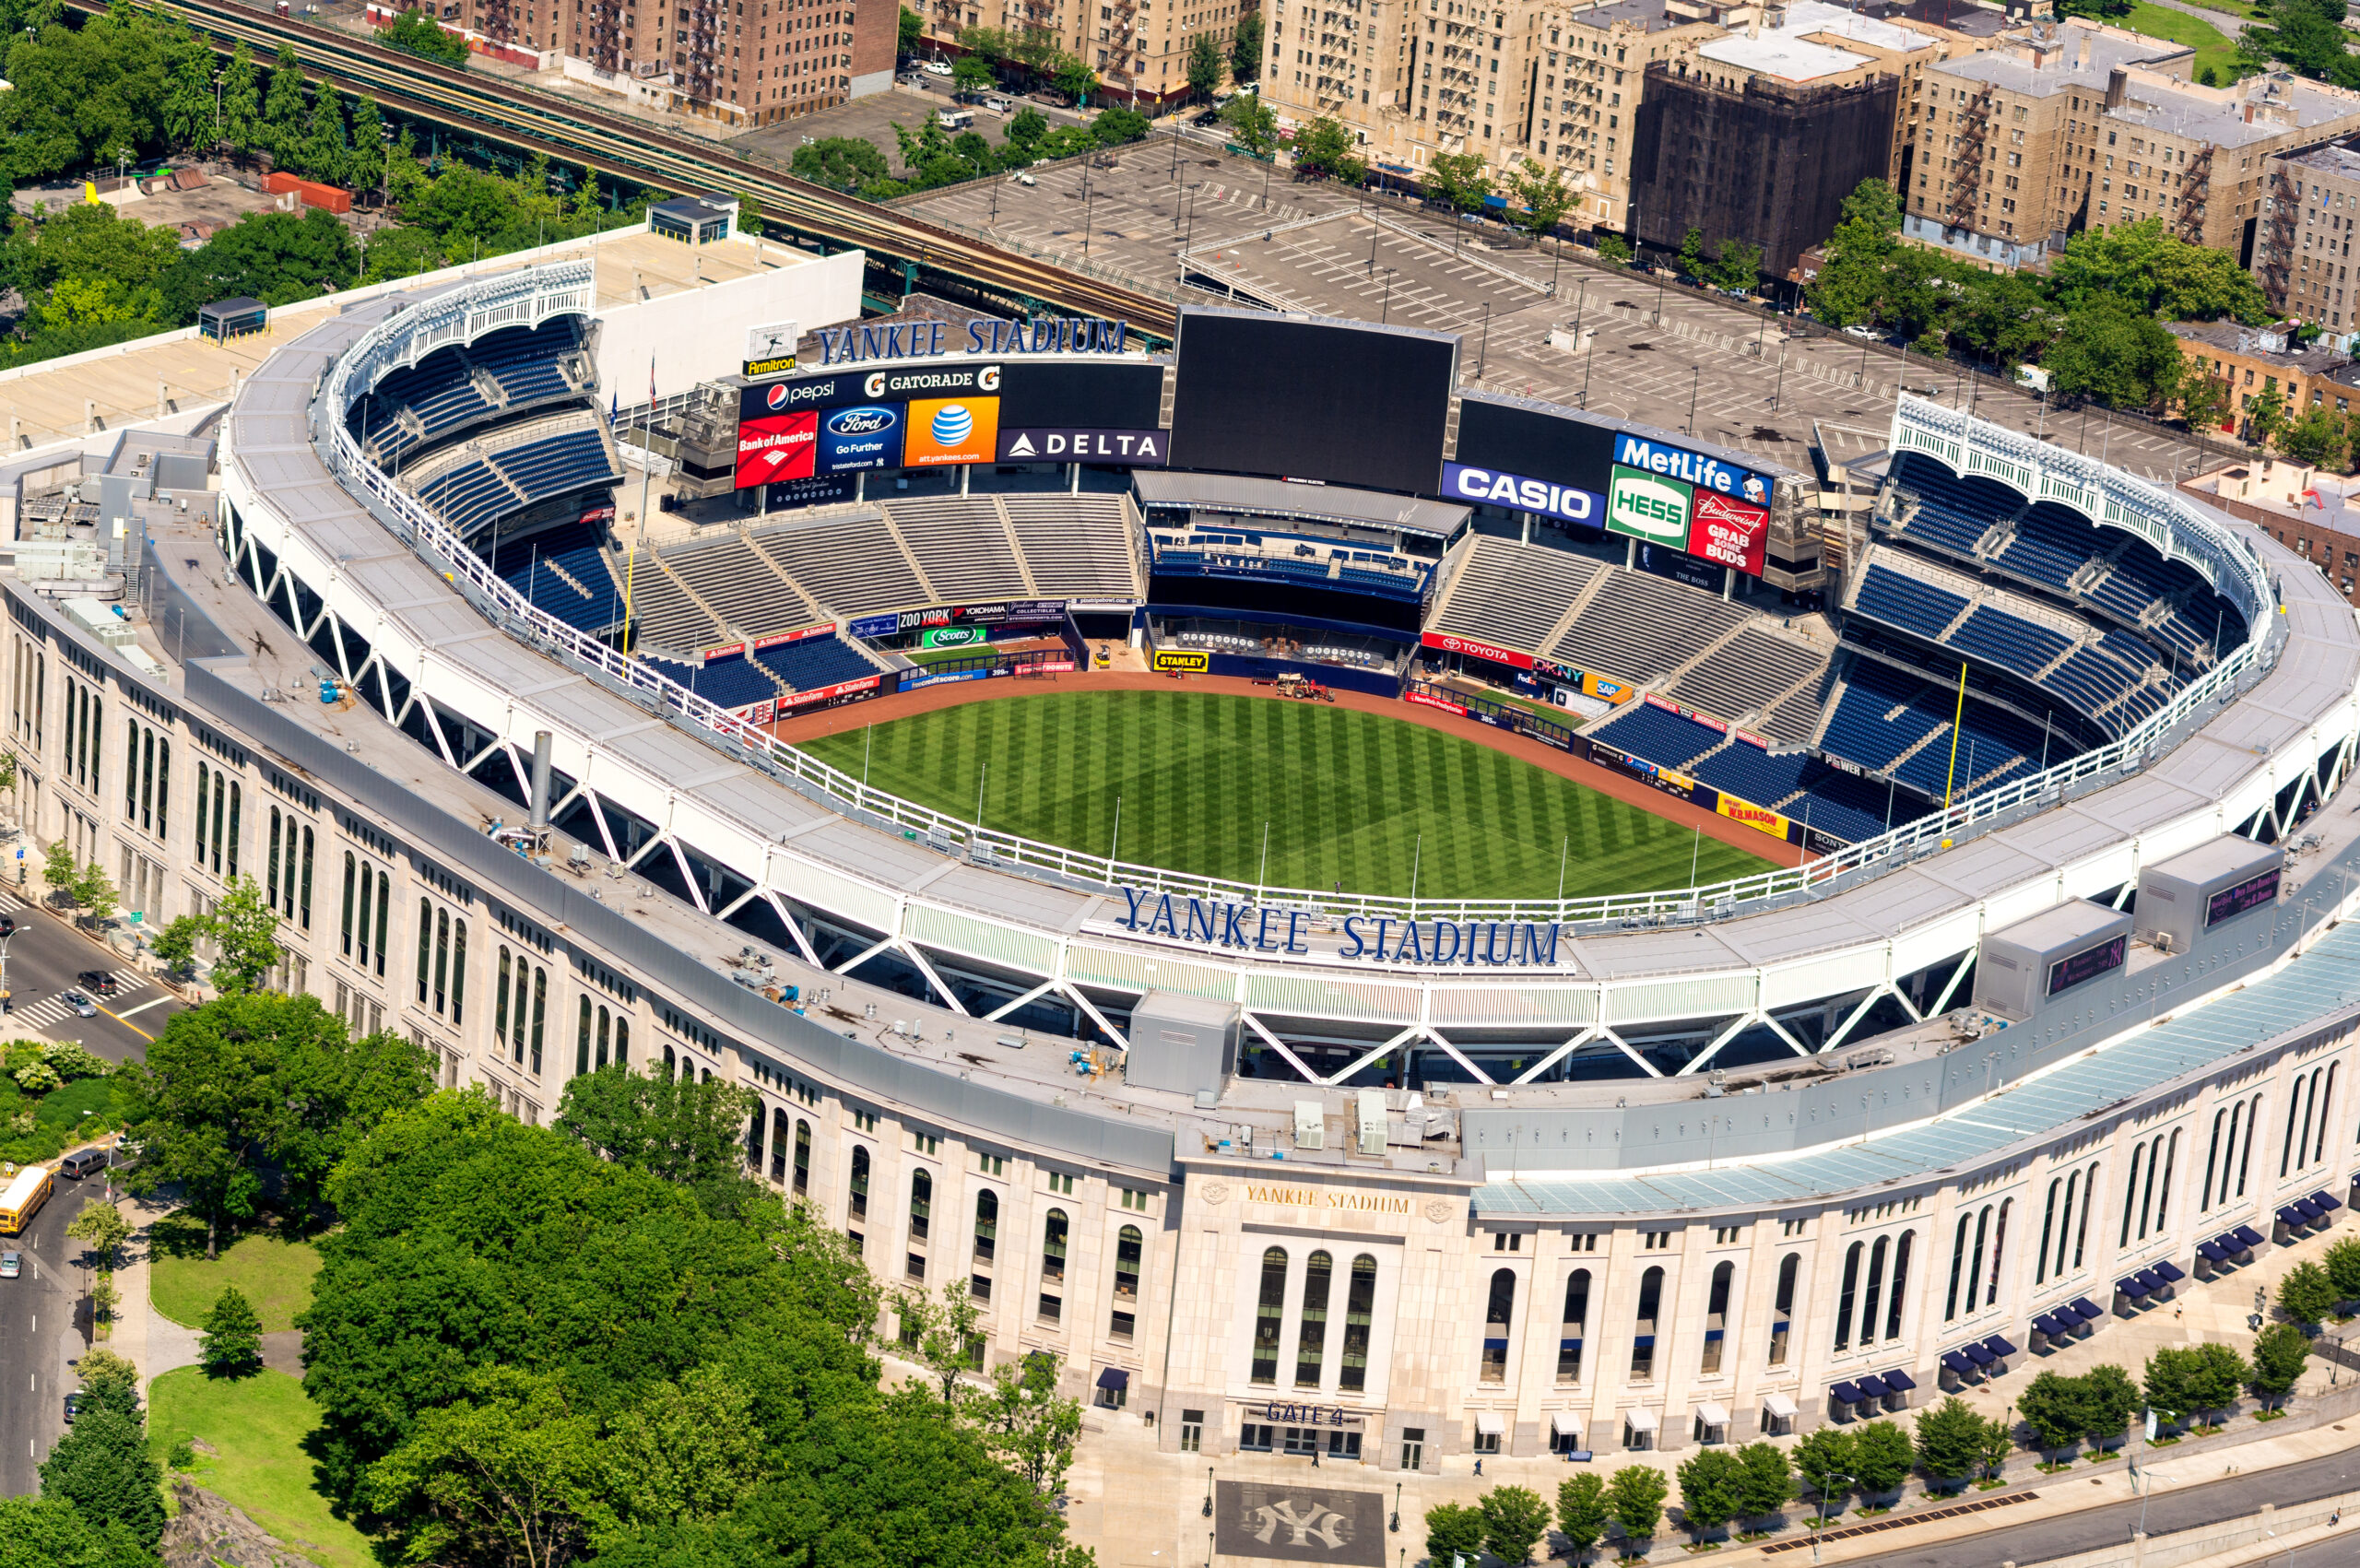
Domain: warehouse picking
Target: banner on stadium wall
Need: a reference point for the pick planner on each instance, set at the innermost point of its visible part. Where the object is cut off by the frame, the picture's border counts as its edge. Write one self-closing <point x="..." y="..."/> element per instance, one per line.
<point x="597" y="514"/>
<point x="1425" y="701"/>
<point x="1665" y="779"/>
<point x="1446" y="642"/>
<point x="1518" y="492"/>
<point x="1183" y="659"/>
<point x="828" y="696"/>
<point x="780" y="638"/>
<point x="776" y="447"/>
<point x="759" y="712"/>
<point x="954" y="636"/>
<point x="1609" y="690"/>
<point x="1759" y="817"/>
<point x="1750" y="738"/>
<point x="1691" y="715"/>
<point x="1053" y="666"/>
<point x="726" y="651"/>
<point x="925" y="680"/>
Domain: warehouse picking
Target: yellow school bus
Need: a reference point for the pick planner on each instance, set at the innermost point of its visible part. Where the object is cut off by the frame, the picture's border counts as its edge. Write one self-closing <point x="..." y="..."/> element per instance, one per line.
<point x="26" y="1191"/>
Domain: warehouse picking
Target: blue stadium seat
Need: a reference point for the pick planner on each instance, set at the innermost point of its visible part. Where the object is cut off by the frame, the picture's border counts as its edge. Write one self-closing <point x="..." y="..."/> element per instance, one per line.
<point x="1659" y="734"/>
<point x="1898" y="599"/>
<point x="815" y="663"/>
<point x="2007" y="641"/>
<point x="2050" y="545"/>
<point x="1859" y="731"/>
<point x="1752" y="775"/>
<point x="547" y="567"/>
<point x="1952" y="513"/>
<point x="733" y="682"/>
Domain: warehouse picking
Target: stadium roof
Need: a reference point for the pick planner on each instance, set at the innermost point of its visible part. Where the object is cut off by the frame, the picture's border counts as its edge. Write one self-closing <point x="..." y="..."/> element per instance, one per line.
<point x="1276" y="498"/>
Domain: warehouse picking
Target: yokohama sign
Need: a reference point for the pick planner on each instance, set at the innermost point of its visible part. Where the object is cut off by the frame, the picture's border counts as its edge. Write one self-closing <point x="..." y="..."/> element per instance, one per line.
<point x="1444" y="643"/>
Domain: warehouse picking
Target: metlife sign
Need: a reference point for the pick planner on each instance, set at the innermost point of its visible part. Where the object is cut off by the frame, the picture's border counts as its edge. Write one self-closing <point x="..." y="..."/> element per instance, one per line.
<point x="1520" y="493"/>
<point x="1690" y="468"/>
<point x="1685" y="501"/>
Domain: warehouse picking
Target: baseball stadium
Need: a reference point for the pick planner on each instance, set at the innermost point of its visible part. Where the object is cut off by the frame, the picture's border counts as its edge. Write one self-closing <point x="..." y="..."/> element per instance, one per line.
<point x="1205" y="841"/>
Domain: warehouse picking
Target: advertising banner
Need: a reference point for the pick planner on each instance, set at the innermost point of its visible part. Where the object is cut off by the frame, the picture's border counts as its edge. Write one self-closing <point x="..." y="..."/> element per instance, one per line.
<point x="866" y="435"/>
<point x="1490" y="487"/>
<point x="1449" y="643"/>
<point x="1753" y="815"/>
<point x="1662" y="560"/>
<point x="770" y="350"/>
<point x="892" y="384"/>
<point x="2251" y="893"/>
<point x="1729" y="533"/>
<point x="775" y="447"/>
<point x="925" y="680"/>
<point x="826" y="490"/>
<point x="779" y="639"/>
<point x="2074" y="969"/>
<point x="1423" y="701"/>
<point x="1167" y="659"/>
<point x="954" y="637"/>
<point x="1140" y="449"/>
<point x="874" y="626"/>
<point x="951" y="429"/>
<point x="1594" y="684"/>
<point x="726" y="651"/>
<point x="839" y="693"/>
<point x="1648" y="506"/>
<point x="759" y="712"/>
<point x="1690" y="468"/>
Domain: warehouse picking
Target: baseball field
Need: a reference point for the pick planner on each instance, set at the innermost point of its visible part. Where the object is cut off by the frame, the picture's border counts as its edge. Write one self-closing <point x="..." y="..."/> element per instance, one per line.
<point x="1205" y="780"/>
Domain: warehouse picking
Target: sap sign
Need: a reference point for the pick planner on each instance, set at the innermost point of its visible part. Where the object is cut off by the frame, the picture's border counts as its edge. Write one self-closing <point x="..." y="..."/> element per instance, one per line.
<point x="1490" y="487"/>
<point x="1691" y="467"/>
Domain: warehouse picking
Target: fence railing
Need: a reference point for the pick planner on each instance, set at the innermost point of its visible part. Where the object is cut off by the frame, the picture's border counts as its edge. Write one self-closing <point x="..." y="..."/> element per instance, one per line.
<point x="507" y="609"/>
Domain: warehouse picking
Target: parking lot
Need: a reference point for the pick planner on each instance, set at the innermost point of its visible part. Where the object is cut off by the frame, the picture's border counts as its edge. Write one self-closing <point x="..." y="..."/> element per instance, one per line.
<point x="1660" y="355"/>
<point x="873" y="118"/>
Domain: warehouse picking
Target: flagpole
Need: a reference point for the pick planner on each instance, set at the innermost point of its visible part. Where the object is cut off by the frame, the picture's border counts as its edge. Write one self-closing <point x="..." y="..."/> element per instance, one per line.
<point x="646" y="467"/>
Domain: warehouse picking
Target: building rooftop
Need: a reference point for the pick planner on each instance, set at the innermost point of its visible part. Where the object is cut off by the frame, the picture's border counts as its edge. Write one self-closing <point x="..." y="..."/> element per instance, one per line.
<point x="1642" y="16"/>
<point x="1817" y="19"/>
<point x="2296" y="492"/>
<point x="2337" y="157"/>
<point x="2265" y="344"/>
<point x="2254" y="111"/>
<point x="2077" y="59"/>
<point x="1951" y="15"/>
<point x="1783" y="55"/>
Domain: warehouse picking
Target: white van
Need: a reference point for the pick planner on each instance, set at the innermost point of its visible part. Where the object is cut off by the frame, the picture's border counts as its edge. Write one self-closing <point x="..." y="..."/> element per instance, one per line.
<point x="998" y="105"/>
<point x="955" y="119"/>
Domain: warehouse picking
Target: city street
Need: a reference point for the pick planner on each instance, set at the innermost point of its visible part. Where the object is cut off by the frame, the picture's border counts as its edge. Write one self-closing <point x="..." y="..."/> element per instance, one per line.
<point x="46" y="957"/>
<point x="41" y="1334"/>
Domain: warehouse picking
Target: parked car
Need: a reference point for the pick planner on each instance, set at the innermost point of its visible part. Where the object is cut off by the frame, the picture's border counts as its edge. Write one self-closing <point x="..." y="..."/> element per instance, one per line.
<point x="81" y="1005"/>
<point x="938" y="67"/>
<point x="73" y="1404"/>
<point x="83" y="1162"/>
<point x="1869" y="333"/>
<point x="98" y="983"/>
<point x="1209" y="117"/>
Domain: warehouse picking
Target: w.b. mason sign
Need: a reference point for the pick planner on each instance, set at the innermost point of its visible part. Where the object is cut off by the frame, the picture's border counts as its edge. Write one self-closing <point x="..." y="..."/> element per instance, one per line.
<point x="1299" y="1523"/>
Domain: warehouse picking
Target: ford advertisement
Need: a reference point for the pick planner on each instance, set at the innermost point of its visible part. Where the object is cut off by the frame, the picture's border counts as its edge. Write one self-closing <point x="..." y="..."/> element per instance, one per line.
<point x="867" y="435"/>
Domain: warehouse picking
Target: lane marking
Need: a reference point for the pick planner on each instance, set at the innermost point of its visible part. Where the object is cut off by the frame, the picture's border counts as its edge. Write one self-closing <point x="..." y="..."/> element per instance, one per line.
<point x="141" y="1009"/>
<point x="133" y="1027"/>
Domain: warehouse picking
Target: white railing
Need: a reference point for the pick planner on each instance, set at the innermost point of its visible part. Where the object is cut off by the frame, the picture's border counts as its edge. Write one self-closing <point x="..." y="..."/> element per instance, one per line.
<point x="509" y="609"/>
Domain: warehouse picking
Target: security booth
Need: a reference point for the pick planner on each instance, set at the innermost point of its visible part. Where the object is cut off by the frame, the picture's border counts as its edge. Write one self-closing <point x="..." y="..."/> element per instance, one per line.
<point x="2182" y="899"/>
<point x="2032" y="964"/>
<point x="694" y="221"/>
<point x="226" y="319"/>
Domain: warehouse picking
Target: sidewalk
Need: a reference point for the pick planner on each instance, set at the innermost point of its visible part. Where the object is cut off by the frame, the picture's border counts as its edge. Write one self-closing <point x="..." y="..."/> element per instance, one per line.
<point x="146" y="1337"/>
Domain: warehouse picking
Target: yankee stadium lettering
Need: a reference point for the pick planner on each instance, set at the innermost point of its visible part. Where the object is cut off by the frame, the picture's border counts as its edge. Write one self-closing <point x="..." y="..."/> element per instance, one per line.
<point x="1382" y="939"/>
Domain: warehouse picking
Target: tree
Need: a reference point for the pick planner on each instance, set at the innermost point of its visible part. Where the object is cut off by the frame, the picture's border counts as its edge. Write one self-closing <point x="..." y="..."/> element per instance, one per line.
<point x="1949" y="1440"/>
<point x="109" y="1382"/>
<point x="1738" y="265"/>
<point x="1615" y="249"/>
<point x="240" y="98"/>
<point x="231" y="1343"/>
<point x="2306" y="1295"/>
<point x="2051" y="1406"/>
<point x="100" y="1466"/>
<point x="2165" y="1383"/>
<point x="946" y="1333"/>
<point x="971" y="73"/>
<point x="366" y="165"/>
<point x="1025" y="127"/>
<point x="101" y="1228"/>
<point x="1691" y="252"/>
<point x="1582" y="1512"/>
<point x="2343" y="1262"/>
<point x="1074" y="76"/>
<point x="1767" y="1482"/>
<point x="1253" y="125"/>
<point x="1709" y="1490"/>
<point x="1118" y="127"/>
<point x="1515" y="1518"/>
<point x="2004" y="316"/>
<point x="1998" y="1441"/>
<point x="1825" y="1461"/>
<point x="1026" y="1423"/>
<point x="1207" y="62"/>
<point x="1325" y="148"/>
<point x="57" y="869"/>
<point x="1881" y="1455"/>
<point x="2266" y="417"/>
<point x="49" y="1533"/>
<point x="1460" y="180"/>
<point x="417" y="33"/>
<point x="2215" y="1373"/>
<point x="2116" y="355"/>
<point x="846" y="163"/>
<point x="1245" y="48"/>
<point x="2278" y="1353"/>
<point x="2204" y="400"/>
<point x="1637" y="1493"/>
<point x="281" y="132"/>
<point x="503" y="1476"/>
<point x="1453" y="1530"/>
<point x="2110" y="1399"/>
<point x="243" y="929"/>
<point x="2320" y="438"/>
<point x="2154" y="274"/>
<point x="688" y="1133"/>
<point x="1542" y="194"/>
<point x="1851" y="282"/>
<point x="911" y="27"/>
<point x="188" y="104"/>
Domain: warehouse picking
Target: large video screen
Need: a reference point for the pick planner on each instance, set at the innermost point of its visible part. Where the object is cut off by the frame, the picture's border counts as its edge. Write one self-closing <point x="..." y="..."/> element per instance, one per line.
<point x="1347" y="404"/>
<point x="1065" y="411"/>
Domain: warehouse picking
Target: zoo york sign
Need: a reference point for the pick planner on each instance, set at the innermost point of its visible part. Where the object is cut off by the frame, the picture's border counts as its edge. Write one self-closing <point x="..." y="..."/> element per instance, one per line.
<point x="1298" y="1524"/>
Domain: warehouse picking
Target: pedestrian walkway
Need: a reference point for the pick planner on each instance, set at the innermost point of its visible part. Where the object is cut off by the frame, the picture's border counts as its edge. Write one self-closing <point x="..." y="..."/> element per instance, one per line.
<point x="50" y="1011"/>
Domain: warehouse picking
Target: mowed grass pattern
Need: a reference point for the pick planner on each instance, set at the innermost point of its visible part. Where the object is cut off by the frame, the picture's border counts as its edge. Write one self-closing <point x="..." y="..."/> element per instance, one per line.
<point x="1347" y="796"/>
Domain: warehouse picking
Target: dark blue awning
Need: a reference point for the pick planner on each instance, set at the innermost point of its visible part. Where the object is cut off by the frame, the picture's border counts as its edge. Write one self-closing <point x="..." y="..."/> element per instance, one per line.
<point x="2325" y="1203"/>
<point x="1845" y="1393"/>
<point x="2046" y="1325"/>
<point x="1872" y="1387"/>
<point x="2210" y="1252"/>
<point x="1958" y="1363"/>
<point x="2170" y="1273"/>
<point x="2089" y="1310"/>
<point x="1899" y="1382"/>
<point x="1569" y="1344"/>
<point x="1114" y="1377"/>
<point x="2132" y="1288"/>
<point x="2249" y="1235"/>
<point x="2292" y="1216"/>
<point x="1999" y="1347"/>
<point x="2149" y="1281"/>
<point x="1979" y="1356"/>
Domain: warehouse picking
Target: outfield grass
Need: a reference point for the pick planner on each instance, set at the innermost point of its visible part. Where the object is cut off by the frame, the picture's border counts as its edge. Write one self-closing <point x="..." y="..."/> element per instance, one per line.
<point x="257" y="1426"/>
<point x="275" y="1274"/>
<point x="1347" y="798"/>
<point x="2212" y="47"/>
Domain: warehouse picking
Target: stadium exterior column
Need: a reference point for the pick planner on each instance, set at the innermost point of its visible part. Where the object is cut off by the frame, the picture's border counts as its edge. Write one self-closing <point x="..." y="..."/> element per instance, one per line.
<point x="964" y="469"/>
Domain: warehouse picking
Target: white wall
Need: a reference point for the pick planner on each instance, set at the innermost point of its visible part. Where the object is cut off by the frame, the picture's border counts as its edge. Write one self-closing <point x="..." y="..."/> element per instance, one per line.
<point x="698" y="334"/>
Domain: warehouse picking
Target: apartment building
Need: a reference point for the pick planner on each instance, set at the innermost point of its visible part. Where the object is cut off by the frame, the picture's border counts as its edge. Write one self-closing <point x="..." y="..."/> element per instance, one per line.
<point x="2087" y="126"/>
<point x="1140" y="48"/>
<point x="2302" y="256"/>
<point x="2252" y="362"/>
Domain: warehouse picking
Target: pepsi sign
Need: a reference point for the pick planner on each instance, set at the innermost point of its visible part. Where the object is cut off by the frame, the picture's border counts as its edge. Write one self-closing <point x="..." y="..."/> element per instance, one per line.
<point x="866" y="435"/>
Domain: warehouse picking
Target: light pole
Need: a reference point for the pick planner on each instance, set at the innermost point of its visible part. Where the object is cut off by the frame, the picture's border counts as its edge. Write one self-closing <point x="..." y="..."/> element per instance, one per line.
<point x="1209" y="1491"/>
<point x="1396" y="1526"/>
<point x="1694" y="386"/>
<point x="1384" y="312"/>
<point x="1832" y="1476"/>
<point x="1482" y="353"/>
<point x="1190" y="233"/>
<point x="1089" y="198"/>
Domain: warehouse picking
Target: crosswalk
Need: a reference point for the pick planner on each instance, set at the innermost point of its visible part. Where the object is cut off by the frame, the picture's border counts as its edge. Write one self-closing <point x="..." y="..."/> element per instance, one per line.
<point x="49" y="1010"/>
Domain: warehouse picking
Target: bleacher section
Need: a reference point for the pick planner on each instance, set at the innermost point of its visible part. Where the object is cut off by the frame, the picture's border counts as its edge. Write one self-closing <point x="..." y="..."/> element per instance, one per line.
<point x="853" y="565"/>
<point x="2009" y="641"/>
<point x="736" y="583"/>
<point x="815" y="662"/>
<point x="420" y="404"/>
<point x="662" y="613"/>
<point x="1906" y="602"/>
<point x="1077" y="546"/>
<point x="480" y="489"/>
<point x="564" y="572"/>
<point x="1514" y="594"/>
<point x="1877" y="717"/>
<point x="1746" y="674"/>
<point x="1659" y="734"/>
<point x="961" y="545"/>
<point x="1952" y="514"/>
<point x="2049" y="545"/>
<point x="1642" y="628"/>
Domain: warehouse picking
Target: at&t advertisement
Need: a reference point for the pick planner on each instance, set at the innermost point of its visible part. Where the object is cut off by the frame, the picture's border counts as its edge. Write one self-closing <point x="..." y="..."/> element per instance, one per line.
<point x="951" y="429"/>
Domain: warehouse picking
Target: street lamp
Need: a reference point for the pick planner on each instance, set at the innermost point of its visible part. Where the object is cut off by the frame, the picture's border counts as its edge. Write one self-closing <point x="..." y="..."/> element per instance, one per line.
<point x="1830" y="1475"/>
<point x="1396" y="1526"/>
<point x="1482" y="353"/>
<point x="1209" y="1491"/>
<point x="1385" y="311"/>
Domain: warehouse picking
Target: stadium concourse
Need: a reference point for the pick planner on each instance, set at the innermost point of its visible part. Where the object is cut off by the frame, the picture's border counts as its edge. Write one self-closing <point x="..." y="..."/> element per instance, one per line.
<point x="1350" y="1172"/>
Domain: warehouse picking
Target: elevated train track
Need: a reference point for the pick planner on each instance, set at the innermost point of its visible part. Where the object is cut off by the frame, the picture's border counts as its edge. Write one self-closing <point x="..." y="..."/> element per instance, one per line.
<point x="577" y="132"/>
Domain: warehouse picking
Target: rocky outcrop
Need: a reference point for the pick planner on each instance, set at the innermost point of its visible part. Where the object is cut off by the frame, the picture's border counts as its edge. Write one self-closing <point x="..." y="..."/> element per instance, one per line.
<point x="209" y="1533"/>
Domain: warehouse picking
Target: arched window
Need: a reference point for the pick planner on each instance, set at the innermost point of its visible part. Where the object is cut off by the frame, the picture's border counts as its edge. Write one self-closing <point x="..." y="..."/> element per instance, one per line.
<point x="1360" y="1313"/>
<point x="2212" y="1162"/>
<point x="2048" y="1230"/>
<point x="1052" y="1247"/>
<point x="1999" y="1250"/>
<point x="1897" y="1295"/>
<point x="1129" y="1248"/>
<point x="802" y="1158"/>
<point x="2245" y="1155"/>
<point x="1269" y="1313"/>
<point x="2130" y="1192"/>
<point x="1498" y="1313"/>
<point x="778" y="1144"/>
<point x="2089" y="1197"/>
<point x="1875" y="1295"/>
<point x="921" y="1207"/>
<point x="2147" y="1193"/>
<point x="986" y="1224"/>
<point x="581" y="1041"/>
<point x="2065" y="1236"/>
<point x="1716" y="1315"/>
<point x="1782" y="1311"/>
<point x="1958" y="1269"/>
<point x="1311" y="1328"/>
<point x="2294" y="1109"/>
<point x="2326" y="1109"/>
<point x="1643" y="1339"/>
<point x="859" y="1200"/>
<point x="1569" y="1331"/>
<point x="2229" y="1159"/>
<point x="1843" y="1297"/>
<point x="1974" y="1265"/>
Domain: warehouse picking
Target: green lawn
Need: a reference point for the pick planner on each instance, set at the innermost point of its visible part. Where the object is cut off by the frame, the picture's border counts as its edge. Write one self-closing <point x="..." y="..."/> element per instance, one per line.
<point x="257" y="1424"/>
<point x="275" y="1274"/>
<point x="2213" y="48"/>
<point x="1347" y="796"/>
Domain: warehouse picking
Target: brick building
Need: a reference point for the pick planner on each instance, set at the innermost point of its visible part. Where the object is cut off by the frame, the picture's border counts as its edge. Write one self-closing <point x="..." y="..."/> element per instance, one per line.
<point x="2314" y="513"/>
<point x="2302" y="257"/>
<point x="2254" y="362"/>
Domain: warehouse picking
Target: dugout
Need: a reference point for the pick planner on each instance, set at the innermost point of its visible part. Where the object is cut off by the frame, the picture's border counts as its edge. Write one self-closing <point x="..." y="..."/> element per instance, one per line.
<point x="2194" y="892"/>
<point x="226" y="319"/>
<point x="2080" y="949"/>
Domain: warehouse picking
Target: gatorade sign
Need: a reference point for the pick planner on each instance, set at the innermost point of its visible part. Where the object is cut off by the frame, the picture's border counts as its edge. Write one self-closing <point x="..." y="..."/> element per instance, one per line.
<point x="1649" y="506"/>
